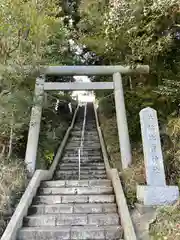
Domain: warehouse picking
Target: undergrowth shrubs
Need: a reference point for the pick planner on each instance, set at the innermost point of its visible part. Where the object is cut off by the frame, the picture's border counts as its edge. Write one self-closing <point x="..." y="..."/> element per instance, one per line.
<point x="133" y="175"/>
<point x="12" y="184"/>
<point x="167" y="223"/>
<point x="109" y="130"/>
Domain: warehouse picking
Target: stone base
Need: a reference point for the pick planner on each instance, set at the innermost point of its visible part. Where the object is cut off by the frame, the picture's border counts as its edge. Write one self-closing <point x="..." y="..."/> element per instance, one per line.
<point x="142" y="209"/>
<point x="157" y="195"/>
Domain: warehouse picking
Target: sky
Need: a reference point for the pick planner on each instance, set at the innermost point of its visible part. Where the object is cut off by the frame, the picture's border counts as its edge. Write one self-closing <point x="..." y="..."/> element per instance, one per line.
<point x="81" y="94"/>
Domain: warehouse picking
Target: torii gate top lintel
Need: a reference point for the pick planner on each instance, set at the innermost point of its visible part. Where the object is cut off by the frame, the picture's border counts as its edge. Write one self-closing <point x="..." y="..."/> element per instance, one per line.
<point x="94" y="70"/>
<point x="88" y="71"/>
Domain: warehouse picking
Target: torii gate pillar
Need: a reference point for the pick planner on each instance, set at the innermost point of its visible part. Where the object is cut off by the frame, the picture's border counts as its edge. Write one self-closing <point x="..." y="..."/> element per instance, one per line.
<point x="124" y="142"/>
<point x="34" y="127"/>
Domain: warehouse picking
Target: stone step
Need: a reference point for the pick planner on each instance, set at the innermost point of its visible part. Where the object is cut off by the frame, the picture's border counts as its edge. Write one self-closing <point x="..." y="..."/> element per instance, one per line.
<point x="87" y="130"/>
<point x="74" y="175"/>
<point x="91" y="140"/>
<point x="85" y="140"/>
<point x="89" y="155"/>
<point x="89" y="133"/>
<point x="82" y="157"/>
<point x="88" y="123"/>
<point x="77" y="146"/>
<point x="81" y="183"/>
<point x="73" y="208"/>
<point x="80" y="130"/>
<point x="55" y="199"/>
<point x="91" y="127"/>
<point x="95" y="164"/>
<point x="87" y="161"/>
<point x="75" y="190"/>
<point x="74" y="139"/>
<point x="71" y="233"/>
<point x="86" y="148"/>
<point x="74" y="153"/>
<point x="82" y="177"/>
<point x="85" y="144"/>
<point x="83" y="172"/>
<point x="76" y="167"/>
<point x="75" y="219"/>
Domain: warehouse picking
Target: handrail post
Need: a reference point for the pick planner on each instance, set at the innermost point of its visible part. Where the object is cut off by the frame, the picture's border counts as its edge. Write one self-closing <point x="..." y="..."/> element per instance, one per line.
<point x="82" y="141"/>
<point x="79" y="158"/>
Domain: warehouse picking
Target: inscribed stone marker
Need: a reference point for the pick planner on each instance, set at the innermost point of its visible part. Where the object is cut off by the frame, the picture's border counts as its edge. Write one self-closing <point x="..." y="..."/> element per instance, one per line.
<point x="153" y="158"/>
<point x="156" y="192"/>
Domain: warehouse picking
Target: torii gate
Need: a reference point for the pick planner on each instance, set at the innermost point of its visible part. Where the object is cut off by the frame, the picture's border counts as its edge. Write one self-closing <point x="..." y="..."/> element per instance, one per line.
<point x="116" y="85"/>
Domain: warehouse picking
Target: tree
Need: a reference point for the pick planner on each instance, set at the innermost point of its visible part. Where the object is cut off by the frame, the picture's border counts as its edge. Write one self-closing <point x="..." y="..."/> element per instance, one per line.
<point x="25" y="33"/>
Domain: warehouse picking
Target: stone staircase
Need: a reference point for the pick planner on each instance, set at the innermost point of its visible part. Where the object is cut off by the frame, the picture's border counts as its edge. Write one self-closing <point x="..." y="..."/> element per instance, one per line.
<point x="68" y="208"/>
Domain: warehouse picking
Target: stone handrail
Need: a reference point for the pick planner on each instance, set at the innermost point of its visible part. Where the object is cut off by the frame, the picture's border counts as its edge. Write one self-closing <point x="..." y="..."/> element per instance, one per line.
<point x="83" y="128"/>
<point x="82" y="142"/>
<point x="16" y="221"/>
<point x="112" y="173"/>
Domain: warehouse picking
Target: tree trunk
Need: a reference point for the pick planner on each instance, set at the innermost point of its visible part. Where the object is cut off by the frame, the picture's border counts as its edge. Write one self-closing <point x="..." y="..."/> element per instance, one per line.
<point x="11" y="137"/>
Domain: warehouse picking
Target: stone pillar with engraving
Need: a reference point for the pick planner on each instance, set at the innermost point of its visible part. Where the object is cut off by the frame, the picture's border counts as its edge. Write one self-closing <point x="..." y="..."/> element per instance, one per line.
<point x="156" y="192"/>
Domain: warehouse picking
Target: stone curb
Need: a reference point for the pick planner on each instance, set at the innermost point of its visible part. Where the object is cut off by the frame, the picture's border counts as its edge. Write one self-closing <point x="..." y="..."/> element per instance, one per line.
<point x="126" y="221"/>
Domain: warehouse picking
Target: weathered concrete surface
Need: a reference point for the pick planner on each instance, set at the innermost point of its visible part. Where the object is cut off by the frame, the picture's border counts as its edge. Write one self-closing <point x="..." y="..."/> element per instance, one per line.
<point x="126" y="221"/>
<point x="76" y="86"/>
<point x="93" y="70"/>
<point x="34" y="126"/>
<point x="142" y="218"/>
<point x="78" y="232"/>
<point x="122" y="125"/>
<point x="157" y="195"/>
<point x="156" y="192"/>
<point x="153" y="158"/>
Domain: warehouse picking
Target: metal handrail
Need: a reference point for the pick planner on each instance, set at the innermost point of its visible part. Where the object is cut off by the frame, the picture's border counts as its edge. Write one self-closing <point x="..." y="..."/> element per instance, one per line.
<point x="82" y="141"/>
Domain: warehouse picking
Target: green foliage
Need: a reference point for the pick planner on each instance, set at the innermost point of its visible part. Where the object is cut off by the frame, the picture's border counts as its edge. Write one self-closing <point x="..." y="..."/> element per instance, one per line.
<point x="31" y="34"/>
<point x="133" y="176"/>
<point x="131" y="32"/>
<point x="25" y="28"/>
<point x="13" y="182"/>
<point x="172" y="153"/>
<point x="166" y="225"/>
<point x="106" y="105"/>
<point x="53" y="127"/>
